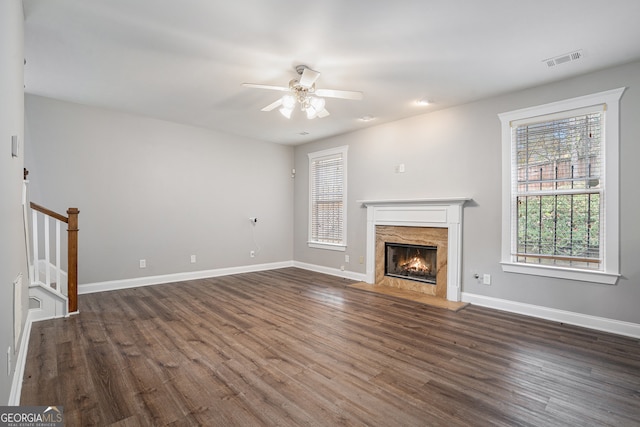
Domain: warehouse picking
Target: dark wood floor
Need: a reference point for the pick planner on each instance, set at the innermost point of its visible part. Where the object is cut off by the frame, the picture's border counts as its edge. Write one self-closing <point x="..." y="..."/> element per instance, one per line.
<point x="292" y="347"/>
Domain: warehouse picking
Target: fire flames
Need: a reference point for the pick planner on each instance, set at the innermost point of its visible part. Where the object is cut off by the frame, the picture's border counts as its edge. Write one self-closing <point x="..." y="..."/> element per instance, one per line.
<point x="417" y="265"/>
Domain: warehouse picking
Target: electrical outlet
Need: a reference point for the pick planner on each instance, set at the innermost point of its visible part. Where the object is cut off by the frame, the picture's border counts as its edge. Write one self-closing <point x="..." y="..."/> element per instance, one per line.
<point x="143" y="263"/>
<point x="342" y="268"/>
<point x="193" y="259"/>
<point x="361" y="260"/>
<point x="486" y="279"/>
<point x="252" y="254"/>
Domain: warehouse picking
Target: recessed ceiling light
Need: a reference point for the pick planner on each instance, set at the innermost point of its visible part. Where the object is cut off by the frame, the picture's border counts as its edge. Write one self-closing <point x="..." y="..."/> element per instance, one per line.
<point x="366" y="118"/>
<point x="303" y="133"/>
<point x="423" y="101"/>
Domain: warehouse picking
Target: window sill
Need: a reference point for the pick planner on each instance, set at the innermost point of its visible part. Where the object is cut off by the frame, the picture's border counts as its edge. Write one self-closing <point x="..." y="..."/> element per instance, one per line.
<point x="561" y="273"/>
<point x="328" y="246"/>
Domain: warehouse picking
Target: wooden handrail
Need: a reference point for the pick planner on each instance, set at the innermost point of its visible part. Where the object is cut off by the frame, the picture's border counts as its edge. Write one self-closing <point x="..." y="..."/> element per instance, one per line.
<point x="49" y="212"/>
<point x="72" y="250"/>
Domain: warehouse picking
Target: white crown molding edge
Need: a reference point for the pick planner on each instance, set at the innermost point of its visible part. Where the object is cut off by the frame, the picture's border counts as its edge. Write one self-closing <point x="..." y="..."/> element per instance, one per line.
<point x="577" y="319"/>
<point x="136" y="282"/>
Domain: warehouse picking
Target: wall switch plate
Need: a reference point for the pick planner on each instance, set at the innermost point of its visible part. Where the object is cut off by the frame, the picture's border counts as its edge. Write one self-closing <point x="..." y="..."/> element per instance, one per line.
<point x="486" y="279"/>
<point x="193" y="259"/>
<point x="346" y="258"/>
<point x="143" y="263"/>
<point x="14" y="146"/>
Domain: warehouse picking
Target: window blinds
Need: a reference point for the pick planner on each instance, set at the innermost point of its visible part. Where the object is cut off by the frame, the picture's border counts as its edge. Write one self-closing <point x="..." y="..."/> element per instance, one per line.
<point x="557" y="189"/>
<point x="327" y="199"/>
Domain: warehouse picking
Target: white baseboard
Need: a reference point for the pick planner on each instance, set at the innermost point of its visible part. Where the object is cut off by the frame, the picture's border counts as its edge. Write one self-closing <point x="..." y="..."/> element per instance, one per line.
<point x="331" y="271"/>
<point x="113" y="285"/>
<point x="592" y="322"/>
<point x="21" y="361"/>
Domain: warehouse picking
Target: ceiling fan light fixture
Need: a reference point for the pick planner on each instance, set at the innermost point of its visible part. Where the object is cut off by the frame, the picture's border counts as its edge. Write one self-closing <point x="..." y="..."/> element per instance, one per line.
<point x="317" y="103"/>
<point x="312" y="113"/>
<point x="313" y="106"/>
<point x="289" y="102"/>
<point x="301" y="91"/>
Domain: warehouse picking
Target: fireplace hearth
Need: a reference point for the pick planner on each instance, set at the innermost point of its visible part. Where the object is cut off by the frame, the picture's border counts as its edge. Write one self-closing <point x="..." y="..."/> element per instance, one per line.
<point x="411" y="262"/>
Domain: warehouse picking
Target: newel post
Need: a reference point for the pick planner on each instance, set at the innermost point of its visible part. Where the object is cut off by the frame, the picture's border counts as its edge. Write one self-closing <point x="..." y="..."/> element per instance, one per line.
<point x="72" y="273"/>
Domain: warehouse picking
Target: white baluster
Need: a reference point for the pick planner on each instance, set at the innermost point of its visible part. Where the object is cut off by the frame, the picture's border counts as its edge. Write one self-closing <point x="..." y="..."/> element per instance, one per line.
<point x="36" y="249"/>
<point x="47" y="252"/>
<point x="58" y="281"/>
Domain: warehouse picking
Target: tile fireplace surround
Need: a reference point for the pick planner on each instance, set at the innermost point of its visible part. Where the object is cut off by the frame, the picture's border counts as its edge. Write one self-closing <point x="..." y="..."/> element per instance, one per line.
<point x="432" y="213"/>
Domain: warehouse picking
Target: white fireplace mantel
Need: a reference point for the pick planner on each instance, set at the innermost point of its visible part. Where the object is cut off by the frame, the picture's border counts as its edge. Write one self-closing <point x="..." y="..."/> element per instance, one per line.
<point x="441" y="213"/>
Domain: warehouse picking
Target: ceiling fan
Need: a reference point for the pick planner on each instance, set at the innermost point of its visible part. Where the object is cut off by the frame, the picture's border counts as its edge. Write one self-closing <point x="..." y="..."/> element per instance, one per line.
<point x="303" y="91"/>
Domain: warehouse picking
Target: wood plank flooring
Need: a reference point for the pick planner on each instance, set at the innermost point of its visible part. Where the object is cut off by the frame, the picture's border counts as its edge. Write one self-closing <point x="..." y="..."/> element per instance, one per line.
<point x="410" y="295"/>
<point x="291" y="347"/>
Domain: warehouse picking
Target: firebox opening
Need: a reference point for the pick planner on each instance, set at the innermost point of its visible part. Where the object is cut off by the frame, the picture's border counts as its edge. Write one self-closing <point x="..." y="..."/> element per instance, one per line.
<point x="411" y="262"/>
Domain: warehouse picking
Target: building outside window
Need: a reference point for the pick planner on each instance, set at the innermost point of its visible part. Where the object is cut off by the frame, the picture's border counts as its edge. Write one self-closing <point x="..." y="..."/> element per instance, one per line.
<point x="560" y="189"/>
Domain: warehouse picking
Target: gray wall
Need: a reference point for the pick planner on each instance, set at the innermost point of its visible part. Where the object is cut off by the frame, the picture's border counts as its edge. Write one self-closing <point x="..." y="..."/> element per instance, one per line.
<point x="160" y="191"/>
<point x="457" y="152"/>
<point x="12" y="242"/>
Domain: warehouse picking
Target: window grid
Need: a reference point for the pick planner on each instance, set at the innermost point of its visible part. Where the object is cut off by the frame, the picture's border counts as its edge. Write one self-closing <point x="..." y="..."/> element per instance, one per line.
<point x="557" y="189"/>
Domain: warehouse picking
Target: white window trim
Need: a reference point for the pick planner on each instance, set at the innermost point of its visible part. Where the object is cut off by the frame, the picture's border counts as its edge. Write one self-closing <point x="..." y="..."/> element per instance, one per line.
<point x="321" y="245"/>
<point x="611" y="256"/>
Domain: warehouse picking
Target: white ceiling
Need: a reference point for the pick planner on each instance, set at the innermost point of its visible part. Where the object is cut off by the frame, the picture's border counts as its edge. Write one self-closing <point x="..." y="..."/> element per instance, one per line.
<point x="185" y="60"/>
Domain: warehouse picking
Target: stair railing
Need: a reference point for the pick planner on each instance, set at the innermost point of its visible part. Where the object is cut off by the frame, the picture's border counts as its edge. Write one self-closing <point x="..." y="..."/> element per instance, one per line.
<point x="64" y="282"/>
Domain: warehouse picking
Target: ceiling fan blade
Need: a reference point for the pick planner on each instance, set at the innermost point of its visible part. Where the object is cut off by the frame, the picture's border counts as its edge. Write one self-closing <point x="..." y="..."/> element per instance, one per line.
<point x="308" y="78"/>
<point x="273" y="105"/>
<point x="344" y="94"/>
<point x="269" y="87"/>
<point x="323" y="113"/>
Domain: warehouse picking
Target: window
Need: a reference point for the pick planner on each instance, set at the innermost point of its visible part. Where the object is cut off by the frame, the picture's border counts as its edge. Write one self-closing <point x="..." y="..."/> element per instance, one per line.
<point x="560" y="189"/>
<point x="327" y="199"/>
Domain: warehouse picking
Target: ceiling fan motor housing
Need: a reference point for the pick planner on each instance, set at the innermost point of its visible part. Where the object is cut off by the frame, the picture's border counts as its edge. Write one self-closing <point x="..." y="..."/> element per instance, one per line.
<point x="300" y="69"/>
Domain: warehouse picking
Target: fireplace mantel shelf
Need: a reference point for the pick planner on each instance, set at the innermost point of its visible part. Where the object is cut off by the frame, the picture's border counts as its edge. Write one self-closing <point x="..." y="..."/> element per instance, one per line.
<point x="430" y="201"/>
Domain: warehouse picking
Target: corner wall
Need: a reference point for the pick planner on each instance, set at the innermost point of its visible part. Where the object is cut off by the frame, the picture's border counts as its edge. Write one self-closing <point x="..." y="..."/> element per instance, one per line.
<point x="12" y="241"/>
<point x="159" y="191"/>
<point x="457" y="153"/>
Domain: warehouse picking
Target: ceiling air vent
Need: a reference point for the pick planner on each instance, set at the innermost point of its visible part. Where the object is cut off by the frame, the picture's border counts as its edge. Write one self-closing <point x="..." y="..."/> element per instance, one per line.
<point x="561" y="59"/>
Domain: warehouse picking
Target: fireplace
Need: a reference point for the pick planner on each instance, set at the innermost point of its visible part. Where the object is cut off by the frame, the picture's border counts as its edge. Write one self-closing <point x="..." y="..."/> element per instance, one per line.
<point x="411" y="262"/>
<point x="416" y="257"/>
<point x="428" y="222"/>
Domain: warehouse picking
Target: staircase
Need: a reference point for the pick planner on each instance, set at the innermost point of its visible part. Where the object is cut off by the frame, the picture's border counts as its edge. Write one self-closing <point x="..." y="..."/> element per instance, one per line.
<point x="53" y="291"/>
